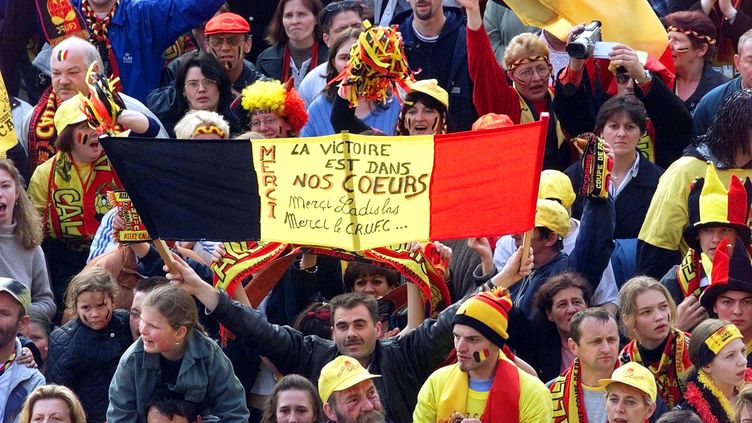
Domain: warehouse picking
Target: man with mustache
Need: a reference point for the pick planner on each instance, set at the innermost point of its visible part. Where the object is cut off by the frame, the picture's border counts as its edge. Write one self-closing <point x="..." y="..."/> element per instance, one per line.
<point x="484" y="385"/>
<point x="576" y="394"/>
<point x="404" y="362"/>
<point x="348" y="392"/>
<point x="69" y="62"/>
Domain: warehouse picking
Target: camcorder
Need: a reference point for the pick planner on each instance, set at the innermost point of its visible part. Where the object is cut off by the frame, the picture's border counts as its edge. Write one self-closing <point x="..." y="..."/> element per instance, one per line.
<point x="583" y="44"/>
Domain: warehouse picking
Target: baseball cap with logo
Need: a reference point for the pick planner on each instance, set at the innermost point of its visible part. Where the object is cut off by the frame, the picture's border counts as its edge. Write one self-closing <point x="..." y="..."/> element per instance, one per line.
<point x="341" y="373"/>
<point x="634" y="375"/>
<point x="18" y="291"/>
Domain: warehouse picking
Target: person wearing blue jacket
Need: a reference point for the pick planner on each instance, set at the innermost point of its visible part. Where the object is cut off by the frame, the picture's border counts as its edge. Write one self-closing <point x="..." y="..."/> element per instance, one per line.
<point x="133" y="34"/>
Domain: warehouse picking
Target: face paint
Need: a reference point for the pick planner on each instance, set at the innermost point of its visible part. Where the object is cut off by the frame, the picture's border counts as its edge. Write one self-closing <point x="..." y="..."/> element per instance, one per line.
<point x="62" y="55"/>
<point x="227" y="65"/>
<point x="435" y="125"/>
<point x="479" y="356"/>
<point x="82" y="138"/>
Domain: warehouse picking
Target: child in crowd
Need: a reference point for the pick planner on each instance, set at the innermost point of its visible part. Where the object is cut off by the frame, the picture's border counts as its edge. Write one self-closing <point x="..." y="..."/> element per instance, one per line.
<point x="83" y="353"/>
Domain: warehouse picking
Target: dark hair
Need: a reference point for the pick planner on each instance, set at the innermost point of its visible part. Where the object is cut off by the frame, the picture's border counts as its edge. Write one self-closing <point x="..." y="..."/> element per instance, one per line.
<point x="41" y="319"/>
<point x="316" y="319"/>
<point x="146" y="285"/>
<point x="330" y="90"/>
<point x="428" y="101"/>
<point x="544" y="296"/>
<point x="289" y="383"/>
<point x="546" y="233"/>
<point x="694" y="20"/>
<point x="211" y="69"/>
<point x="171" y="404"/>
<point x="730" y="132"/>
<point x="275" y="32"/>
<point x="356" y="270"/>
<point x="353" y="299"/>
<point x="327" y="14"/>
<point x="679" y="416"/>
<point x="628" y="104"/>
<point x="597" y="313"/>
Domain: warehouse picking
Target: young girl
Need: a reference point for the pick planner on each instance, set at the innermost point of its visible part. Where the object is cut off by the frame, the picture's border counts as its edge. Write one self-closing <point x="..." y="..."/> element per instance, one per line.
<point x="649" y="316"/>
<point x="173" y="353"/>
<point x="83" y="353"/>
<point x="720" y="368"/>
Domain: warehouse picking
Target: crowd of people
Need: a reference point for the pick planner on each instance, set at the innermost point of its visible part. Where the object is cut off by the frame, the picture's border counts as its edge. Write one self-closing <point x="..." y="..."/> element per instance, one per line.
<point x="631" y="305"/>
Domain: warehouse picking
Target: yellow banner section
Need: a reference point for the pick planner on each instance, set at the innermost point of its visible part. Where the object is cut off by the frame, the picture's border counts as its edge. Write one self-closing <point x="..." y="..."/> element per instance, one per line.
<point x="631" y="22"/>
<point x="346" y="191"/>
<point x="7" y="131"/>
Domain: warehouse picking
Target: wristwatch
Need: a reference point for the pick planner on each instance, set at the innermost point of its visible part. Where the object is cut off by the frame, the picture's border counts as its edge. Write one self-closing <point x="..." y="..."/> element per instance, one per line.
<point x="648" y="78"/>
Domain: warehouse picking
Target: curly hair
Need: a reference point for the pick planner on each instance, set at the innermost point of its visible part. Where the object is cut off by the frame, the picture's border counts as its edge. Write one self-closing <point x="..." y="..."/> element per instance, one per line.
<point x="28" y="221"/>
<point x="523" y="46"/>
<point x="728" y="135"/>
<point x="93" y="279"/>
<point x="274" y="97"/>
<point x="186" y="127"/>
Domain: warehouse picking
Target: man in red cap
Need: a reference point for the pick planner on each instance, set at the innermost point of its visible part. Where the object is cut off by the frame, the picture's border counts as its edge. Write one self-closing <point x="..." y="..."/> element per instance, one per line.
<point x="228" y="39"/>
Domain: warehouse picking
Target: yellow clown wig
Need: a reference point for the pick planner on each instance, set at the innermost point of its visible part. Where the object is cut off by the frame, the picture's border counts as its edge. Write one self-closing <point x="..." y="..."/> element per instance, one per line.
<point x="274" y="97"/>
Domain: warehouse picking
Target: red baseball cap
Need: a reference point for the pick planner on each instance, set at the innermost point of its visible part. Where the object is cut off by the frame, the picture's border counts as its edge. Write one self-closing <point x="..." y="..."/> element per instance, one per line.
<point x="227" y="23"/>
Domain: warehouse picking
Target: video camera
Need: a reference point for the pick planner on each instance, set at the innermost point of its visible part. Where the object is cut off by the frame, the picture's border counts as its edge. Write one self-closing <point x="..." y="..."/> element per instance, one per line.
<point x="581" y="47"/>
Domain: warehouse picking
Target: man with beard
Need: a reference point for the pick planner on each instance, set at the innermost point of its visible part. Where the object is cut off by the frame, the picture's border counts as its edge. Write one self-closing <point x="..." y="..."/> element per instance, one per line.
<point x="484" y="385"/>
<point x="16" y="381"/>
<point x="69" y="62"/>
<point x="348" y="392"/>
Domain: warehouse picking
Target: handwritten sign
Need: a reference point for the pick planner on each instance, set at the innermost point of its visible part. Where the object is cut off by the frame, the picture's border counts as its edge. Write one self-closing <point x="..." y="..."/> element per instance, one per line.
<point x="351" y="192"/>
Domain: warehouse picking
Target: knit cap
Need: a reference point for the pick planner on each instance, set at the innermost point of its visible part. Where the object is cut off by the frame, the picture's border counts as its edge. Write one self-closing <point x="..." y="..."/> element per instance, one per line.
<point x="488" y="313"/>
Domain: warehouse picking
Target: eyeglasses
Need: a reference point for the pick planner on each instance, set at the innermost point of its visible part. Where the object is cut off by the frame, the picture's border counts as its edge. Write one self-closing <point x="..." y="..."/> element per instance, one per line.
<point x="217" y="41"/>
<point x="267" y="121"/>
<point x="206" y="83"/>
<point x="328" y="12"/>
<point x="524" y="76"/>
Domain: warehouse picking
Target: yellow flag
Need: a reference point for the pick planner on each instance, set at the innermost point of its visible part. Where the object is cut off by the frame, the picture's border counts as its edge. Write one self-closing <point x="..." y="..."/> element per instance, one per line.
<point x="631" y="22"/>
<point x="8" y="137"/>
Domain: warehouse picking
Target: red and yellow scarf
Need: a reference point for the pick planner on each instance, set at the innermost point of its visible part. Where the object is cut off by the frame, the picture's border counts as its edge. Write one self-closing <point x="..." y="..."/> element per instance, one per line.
<point x="503" y="402"/>
<point x="75" y="206"/>
<point x="566" y="393"/>
<point x="42" y="134"/>
<point x="689" y="274"/>
<point x="672" y="367"/>
<point x="709" y="402"/>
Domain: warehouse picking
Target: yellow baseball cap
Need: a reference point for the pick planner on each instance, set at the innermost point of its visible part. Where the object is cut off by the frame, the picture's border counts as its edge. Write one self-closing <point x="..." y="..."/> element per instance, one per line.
<point x="69" y="112"/>
<point x="341" y="373"/>
<point x="431" y="88"/>
<point x="555" y="185"/>
<point x="634" y="375"/>
<point x="552" y="215"/>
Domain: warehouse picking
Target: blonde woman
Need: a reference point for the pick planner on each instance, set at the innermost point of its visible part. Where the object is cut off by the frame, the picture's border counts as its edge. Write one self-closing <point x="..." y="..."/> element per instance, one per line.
<point x="52" y="403"/>
<point x="648" y="314"/>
